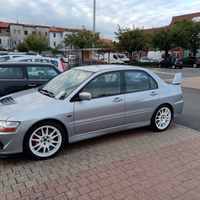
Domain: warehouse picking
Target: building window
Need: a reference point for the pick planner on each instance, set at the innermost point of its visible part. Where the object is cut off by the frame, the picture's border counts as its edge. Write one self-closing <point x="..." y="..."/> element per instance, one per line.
<point x="54" y="34"/>
<point x="25" y="32"/>
<point x="39" y="33"/>
<point x="14" y="42"/>
<point x="33" y="32"/>
<point x="7" y="30"/>
<point x="45" y="33"/>
<point x="18" y="31"/>
<point x="54" y="44"/>
<point x="0" y="41"/>
<point x="0" y="30"/>
<point x="14" y="30"/>
<point x="61" y="35"/>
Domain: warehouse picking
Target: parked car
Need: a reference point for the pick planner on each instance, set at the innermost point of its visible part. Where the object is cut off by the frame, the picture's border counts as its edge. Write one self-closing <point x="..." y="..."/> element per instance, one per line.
<point x="9" y="56"/>
<point x="172" y="62"/>
<point x="148" y="59"/>
<point x="15" y="76"/>
<point x="55" y="61"/>
<point x="59" y="56"/>
<point x="71" y="57"/>
<point x="190" y="61"/>
<point x="86" y="102"/>
<point x="116" y="58"/>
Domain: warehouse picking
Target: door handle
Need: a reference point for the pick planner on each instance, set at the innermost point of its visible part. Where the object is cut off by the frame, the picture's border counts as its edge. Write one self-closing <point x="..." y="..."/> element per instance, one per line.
<point x="117" y="99"/>
<point x="32" y="85"/>
<point x="153" y="94"/>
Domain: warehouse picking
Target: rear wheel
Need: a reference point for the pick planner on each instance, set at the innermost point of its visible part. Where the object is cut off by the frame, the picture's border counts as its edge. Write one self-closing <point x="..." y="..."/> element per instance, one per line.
<point x="194" y="65"/>
<point x="159" y="65"/>
<point x="44" y="140"/>
<point x="161" y="118"/>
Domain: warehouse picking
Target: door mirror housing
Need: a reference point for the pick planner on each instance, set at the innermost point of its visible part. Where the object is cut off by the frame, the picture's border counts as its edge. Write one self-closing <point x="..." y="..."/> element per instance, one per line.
<point x="85" y="96"/>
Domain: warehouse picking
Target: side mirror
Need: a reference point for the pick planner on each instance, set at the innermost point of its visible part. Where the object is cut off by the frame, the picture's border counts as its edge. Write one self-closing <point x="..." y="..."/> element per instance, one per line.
<point x="85" y="96"/>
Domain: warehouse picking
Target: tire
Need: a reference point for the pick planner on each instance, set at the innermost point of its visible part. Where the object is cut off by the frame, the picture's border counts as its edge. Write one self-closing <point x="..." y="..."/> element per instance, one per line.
<point x="173" y="67"/>
<point x="180" y="67"/>
<point x="159" y="65"/>
<point x="44" y="140"/>
<point x="161" y="118"/>
<point x="194" y="65"/>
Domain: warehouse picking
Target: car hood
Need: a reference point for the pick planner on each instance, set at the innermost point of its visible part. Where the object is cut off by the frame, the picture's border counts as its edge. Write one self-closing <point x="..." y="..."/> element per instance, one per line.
<point x="23" y="101"/>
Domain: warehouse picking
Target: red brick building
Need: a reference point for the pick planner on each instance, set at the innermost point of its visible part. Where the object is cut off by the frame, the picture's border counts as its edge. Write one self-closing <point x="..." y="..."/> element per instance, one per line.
<point x="176" y="51"/>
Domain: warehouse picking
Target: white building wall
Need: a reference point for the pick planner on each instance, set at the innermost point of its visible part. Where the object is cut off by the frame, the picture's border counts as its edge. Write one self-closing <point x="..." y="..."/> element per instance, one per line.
<point x="5" y="42"/>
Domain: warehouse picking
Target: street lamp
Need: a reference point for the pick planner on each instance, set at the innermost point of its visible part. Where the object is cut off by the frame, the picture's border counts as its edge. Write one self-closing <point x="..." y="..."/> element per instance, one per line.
<point x="94" y="16"/>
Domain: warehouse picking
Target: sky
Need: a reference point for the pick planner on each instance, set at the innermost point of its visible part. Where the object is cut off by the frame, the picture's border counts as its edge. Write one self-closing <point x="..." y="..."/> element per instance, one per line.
<point x="109" y="13"/>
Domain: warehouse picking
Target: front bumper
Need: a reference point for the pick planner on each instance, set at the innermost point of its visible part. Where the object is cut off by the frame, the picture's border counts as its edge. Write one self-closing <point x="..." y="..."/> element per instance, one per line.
<point x="11" y="142"/>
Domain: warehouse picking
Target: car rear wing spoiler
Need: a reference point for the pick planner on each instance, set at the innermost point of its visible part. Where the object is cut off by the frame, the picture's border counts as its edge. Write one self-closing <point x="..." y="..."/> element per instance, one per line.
<point x="177" y="77"/>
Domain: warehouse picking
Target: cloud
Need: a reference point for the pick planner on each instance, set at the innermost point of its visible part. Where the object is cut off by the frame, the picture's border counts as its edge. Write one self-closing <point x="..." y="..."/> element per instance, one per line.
<point x="75" y="13"/>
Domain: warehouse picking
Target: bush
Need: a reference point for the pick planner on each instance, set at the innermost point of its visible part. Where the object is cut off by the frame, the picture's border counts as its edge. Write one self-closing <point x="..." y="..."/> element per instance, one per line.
<point x="147" y="64"/>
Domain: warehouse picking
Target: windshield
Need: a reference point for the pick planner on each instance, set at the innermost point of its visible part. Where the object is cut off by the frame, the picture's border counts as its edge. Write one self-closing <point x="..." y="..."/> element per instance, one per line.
<point x="121" y="56"/>
<point x="66" y="81"/>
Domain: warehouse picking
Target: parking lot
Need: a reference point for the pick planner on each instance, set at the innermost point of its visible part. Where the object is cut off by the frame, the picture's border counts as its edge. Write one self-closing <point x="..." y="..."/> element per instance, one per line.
<point x="132" y="165"/>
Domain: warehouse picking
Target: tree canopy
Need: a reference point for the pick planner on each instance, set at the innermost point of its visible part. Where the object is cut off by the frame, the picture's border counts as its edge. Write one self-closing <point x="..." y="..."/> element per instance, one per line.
<point x="188" y="35"/>
<point x="164" y="39"/>
<point x="21" y="47"/>
<point x="83" y="38"/>
<point x="36" y="42"/>
<point x="130" y="40"/>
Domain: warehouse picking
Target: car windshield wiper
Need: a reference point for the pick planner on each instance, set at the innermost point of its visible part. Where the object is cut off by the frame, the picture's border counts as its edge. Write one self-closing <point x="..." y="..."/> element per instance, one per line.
<point x="46" y="92"/>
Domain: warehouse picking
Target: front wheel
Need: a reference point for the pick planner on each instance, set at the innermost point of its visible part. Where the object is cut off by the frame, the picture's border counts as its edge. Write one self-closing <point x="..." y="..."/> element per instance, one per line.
<point x="161" y="118"/>
<point x="44" y="140"/>
<point x="194" y="65"/>
<point x="159" y="65"/>
<point x="173" y="66"/>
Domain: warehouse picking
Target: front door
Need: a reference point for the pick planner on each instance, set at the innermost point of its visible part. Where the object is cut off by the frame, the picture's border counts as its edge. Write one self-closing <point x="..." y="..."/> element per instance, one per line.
<point x="105" y="109"/>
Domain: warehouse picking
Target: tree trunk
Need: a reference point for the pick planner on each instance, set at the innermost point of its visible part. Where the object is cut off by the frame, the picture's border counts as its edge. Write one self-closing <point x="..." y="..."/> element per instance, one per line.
<point x="130" y="58"/>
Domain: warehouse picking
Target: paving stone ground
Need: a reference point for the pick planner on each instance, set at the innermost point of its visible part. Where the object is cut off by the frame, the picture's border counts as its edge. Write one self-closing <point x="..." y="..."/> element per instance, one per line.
<point x="132" y="165"/>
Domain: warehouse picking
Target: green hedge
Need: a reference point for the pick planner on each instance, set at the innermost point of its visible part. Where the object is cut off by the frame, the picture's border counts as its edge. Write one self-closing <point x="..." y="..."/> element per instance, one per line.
<point x="147" y="64"/>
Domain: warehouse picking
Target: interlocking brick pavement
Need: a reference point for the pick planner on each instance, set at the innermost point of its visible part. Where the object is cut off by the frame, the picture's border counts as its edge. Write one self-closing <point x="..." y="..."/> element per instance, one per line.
<point x="135" y="164"/>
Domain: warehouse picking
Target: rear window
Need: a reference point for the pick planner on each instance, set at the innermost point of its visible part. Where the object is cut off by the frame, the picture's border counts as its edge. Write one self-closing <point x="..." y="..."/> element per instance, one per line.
<point x="2" y="59"/>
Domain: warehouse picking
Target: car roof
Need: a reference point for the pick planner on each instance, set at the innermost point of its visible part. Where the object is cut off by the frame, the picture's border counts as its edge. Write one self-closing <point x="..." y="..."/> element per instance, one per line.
<point x="24" y="64"/>
<point x="97" y="68"/>
<point x="37" y="57"/>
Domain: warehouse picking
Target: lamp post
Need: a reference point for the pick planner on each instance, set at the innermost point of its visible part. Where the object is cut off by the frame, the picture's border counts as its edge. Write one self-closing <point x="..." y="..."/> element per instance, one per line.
<point x="94" y="16"/>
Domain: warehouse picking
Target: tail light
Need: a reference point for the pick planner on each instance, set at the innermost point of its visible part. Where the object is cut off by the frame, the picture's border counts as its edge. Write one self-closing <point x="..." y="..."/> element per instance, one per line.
<point x="198" y="60"/>
<point x="62" y="65"/>
<point x="176" y="59"/>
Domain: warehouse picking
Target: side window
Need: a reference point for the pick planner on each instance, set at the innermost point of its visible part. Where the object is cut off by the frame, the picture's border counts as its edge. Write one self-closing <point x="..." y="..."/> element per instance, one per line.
<point x="2" y="59"/>
<point x="104" y="85"/>
<point x="136" y="81"/>
<point x="38" y="72"/>
<point x="11" y="73"/>
<point x="153" y="83"/>
<point x="42" y="60"/>
<point x="54" y="62"/>
<point x="114" y="56"/>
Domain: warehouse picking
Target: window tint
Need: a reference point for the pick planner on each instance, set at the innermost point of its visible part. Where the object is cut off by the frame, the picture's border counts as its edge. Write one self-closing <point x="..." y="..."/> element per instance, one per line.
<point x="104" y="85"/>
<point x="38" y="72"/>
<point x="11" y="73"/>
<point x="153" y="83"/>
<point x="54" y="62"/>
<point x="136" y="81"/>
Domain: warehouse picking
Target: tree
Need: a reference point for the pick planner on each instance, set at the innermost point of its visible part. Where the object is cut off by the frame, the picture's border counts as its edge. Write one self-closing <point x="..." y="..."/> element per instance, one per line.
<point x="21" y="47"/>
<point x="188" y="35"/>
<point x="36" y="42"/>
<point x="82" y="39"/>
<point x="130" y="40"/>
<point x="164" y="39"/>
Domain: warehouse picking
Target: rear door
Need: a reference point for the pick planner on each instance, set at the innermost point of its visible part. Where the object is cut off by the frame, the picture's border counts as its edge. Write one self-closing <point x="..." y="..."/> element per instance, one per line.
<point x="12" y="79"/>
<point x="142" y="96"/>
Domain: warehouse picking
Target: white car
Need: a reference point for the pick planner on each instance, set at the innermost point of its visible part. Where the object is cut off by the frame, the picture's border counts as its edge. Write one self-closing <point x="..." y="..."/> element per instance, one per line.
<point x="148" y="59"/>
<point x="9" y="56"/>
<point x="55" y="61"/>
<point x="71" y="57"/>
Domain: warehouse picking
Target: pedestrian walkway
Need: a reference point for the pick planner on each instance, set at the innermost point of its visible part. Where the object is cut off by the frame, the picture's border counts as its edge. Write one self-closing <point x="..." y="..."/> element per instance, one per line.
<point x="135" y="164"/>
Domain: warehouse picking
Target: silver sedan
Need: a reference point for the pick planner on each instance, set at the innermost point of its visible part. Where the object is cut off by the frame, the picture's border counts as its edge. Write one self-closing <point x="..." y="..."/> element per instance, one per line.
<point x="86" y="102"/>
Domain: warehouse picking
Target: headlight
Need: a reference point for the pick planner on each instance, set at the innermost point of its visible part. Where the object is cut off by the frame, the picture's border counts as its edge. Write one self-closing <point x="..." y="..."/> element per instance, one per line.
<point x="8" y="126"/>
